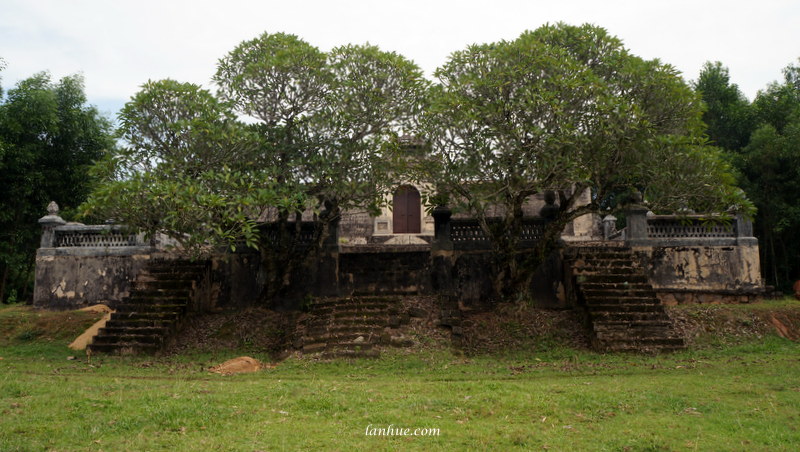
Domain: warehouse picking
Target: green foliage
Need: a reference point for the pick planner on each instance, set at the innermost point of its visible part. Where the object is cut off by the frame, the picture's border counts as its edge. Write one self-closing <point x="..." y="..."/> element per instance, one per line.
<point x="190" y="168"/>
<point x="321" y="136"/>
<point x="770" y="168"/>
<point x="567" y="108"/>
<point x="763" y="140"/>
<point x="728" y="115"/>
<point x="48" y="139"/>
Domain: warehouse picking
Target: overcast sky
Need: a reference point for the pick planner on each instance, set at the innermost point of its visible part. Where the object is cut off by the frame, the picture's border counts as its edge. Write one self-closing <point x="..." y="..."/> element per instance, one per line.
<point x="118" y="45"/>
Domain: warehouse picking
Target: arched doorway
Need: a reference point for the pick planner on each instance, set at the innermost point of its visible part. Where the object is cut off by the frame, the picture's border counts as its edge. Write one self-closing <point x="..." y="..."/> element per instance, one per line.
<point x="406" y="211"/>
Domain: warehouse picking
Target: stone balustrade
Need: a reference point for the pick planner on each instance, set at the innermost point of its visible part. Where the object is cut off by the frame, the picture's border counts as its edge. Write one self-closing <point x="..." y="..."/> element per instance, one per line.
<point x="645" y="229"/>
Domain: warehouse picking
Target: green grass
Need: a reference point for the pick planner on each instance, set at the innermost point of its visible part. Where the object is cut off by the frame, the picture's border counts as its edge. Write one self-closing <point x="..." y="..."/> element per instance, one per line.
<point x="740" y="397"/>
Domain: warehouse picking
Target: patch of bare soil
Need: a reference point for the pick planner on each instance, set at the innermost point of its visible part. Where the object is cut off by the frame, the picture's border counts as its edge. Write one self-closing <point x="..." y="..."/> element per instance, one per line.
<point x="521" y="327"/>
<point x="240" y="365"/>
<point x="259" y="329"/>
<point x="703" y="324"/>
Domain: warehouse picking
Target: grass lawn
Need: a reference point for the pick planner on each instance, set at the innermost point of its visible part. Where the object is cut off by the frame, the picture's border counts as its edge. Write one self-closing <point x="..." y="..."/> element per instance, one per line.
<point x="744" y="396"/>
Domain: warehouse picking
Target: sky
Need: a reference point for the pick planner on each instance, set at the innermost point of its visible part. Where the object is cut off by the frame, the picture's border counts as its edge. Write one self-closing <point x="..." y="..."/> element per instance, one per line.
<point x="117" y="45"/>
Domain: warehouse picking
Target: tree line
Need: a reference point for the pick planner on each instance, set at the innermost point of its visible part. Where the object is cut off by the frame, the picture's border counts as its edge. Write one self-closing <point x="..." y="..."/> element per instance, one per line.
<point x="49" y="138"/>
<point x="292" y="129"/>
<point x="761" y="140"/>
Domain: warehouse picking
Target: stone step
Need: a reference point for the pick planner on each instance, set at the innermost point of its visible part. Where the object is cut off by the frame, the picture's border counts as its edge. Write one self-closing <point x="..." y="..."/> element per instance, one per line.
<point x="315" y="347"/>
<point x="617" y="299"/>
<point x="160" y="300"/>
<point x="343" y="329"/>
<point x="151" y="307"/>
<point x="632" y="334"/>
<point x="615" y="286"/>
<point x="626" y="307"/>
<point x="128" y="338"/>
<point x="632" y="278"/>
<point x="354" y="301"/>
<point x="339" y="338"/>
<point x="139" y="323"/>
<point x="587" y="271"/>
<point x="111" y="331"/>
<point x="358" y="320"/>
<point x="628" y="316"/>
<point x="339" y="311"/>
<point x="351" y="354"/>
<point x="627" y="325"/>
<point x="606" y="294"/>
<point x="140" y="315"/>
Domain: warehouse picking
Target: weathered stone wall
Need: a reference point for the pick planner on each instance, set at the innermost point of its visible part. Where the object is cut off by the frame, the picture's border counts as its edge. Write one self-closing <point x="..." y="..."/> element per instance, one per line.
<point x="703" y="274"/>
<point x="464" y="275"/>
<point x="381" y="269"/>
<point x="72" y="281"/>
<point x="237" y="279"/>
<point x="356" y="227"/>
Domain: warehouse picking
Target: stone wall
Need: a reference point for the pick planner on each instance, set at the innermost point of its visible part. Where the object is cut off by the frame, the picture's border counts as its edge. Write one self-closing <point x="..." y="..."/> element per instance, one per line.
<point x="696" y="258"/>
<point x="687" y="261"/>
<point x="75" y="280"/>
<point x="237" y="279"/>
<point x="703" y="273"/>
<point x="384" y="269"/>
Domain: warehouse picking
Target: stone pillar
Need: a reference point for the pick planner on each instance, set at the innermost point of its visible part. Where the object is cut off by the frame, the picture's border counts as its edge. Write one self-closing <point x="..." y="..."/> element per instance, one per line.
<point x="327" y="271"/>
<point x="442" y="254"/>
<point x="636" y="217"/>
<point x="49" y="223"/>
<point x="441" y="218"/>
<point x="744" y="231"/>
<point x="609" y="226"/>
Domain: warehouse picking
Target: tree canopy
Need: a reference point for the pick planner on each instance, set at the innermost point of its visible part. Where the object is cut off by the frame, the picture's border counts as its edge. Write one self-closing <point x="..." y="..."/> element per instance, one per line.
<point x="762" y="142"/>
<point x="48" y="139"/>
<point x="728" y="116"/>
<point x="318" y="131"/>
<point x="567" y="108"/>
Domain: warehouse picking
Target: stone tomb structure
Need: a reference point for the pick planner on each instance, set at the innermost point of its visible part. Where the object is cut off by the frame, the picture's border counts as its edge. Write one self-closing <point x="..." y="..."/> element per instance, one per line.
<point x="654" y="261"/>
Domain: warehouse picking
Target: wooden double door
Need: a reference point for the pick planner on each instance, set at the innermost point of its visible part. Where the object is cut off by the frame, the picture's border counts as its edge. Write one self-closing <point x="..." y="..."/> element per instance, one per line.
<point x="406" y="211"/>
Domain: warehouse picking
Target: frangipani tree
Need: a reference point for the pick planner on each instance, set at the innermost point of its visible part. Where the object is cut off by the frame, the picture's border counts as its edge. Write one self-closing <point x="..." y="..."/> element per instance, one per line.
<point x="319" y="132"/>
<point x="570" y="109"/>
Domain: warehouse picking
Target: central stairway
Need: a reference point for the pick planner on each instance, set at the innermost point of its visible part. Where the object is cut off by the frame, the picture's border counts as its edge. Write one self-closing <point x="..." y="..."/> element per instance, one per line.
<point x="159" y="299"/>
<point x="623" y="310"/>
<point x="352" y="327"/>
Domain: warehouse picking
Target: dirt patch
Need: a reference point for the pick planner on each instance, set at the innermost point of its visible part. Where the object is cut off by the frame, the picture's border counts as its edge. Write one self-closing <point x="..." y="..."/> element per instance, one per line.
<point x="520" y="326"/>
<point x="713" y="324"/>
<point x="97" y="308"/>
<point x="240" y="365"/>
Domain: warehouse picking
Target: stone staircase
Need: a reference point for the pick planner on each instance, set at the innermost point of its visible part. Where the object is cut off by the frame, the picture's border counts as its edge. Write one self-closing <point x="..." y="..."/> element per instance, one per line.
<point x="352" y="327"/>
<point x="623" y="310"/>
<point x="159" y="298"/>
